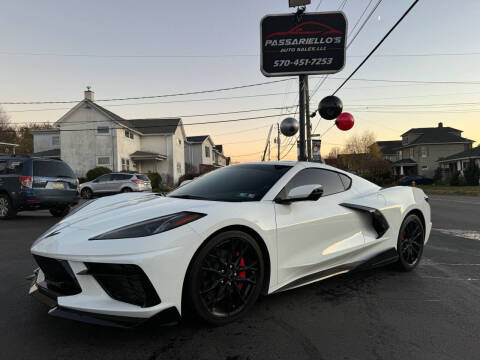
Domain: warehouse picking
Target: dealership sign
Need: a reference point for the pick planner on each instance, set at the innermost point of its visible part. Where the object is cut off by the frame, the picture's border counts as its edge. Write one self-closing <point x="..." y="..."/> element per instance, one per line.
<point x="312" y="43"/>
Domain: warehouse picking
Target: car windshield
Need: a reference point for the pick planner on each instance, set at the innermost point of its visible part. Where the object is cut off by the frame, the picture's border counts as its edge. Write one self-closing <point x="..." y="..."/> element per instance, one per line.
<point x="249" y="182"/>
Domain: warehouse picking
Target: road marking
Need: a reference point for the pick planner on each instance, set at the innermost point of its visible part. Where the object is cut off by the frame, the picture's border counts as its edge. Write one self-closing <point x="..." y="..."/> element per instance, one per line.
<point x="446" y="264"/>
<point x="467" y="234"/>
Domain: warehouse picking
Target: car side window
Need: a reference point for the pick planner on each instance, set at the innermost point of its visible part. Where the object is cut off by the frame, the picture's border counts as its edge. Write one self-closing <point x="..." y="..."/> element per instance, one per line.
<point x="103" y="178"/>
<point x="329" y="180"/>
<point x="347" y="182"/>
<point x="120" y="177"/>
<point x="14" y="167"/>
<point x="3" y="167"/>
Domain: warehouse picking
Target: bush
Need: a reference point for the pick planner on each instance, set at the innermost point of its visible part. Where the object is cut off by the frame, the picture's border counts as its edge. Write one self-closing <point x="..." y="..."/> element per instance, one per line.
<point x="92" y="174"/>
<point x="81" y="180"/>
<point x="472" y="174"/>
<point x="455" y="178"/>
<point x="155" y="179"/>
<point x="437" y="176"/>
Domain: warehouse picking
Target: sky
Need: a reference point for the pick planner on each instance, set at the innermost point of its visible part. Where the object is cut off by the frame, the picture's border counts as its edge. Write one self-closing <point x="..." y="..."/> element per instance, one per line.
<point x="52" y="50"/>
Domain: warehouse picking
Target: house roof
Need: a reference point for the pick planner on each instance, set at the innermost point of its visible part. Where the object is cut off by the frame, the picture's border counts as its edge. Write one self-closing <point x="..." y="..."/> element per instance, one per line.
<point x="406" y="162"/>
<point x="147" y="155"/>
<point x="438" y="135"/>
<point x="143" y="126"/>
<point x="389" y="147"/>
<point x="428" y="129"/>
<point x="473" y="153"/>
<point x="197" y="139"/>
<point x="48" y="153"/>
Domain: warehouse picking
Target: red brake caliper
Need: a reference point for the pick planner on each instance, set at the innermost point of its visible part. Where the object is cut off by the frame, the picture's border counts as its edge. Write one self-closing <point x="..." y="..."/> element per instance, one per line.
<point x="242" y="274"/>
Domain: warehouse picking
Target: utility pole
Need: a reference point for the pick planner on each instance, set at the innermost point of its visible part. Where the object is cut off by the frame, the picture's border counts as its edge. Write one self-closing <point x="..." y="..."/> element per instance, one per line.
<point x="301" y="105"/>
<point x="308" y="124"/>
<point x="278" y="142"/>
<point x="267" y="145"/>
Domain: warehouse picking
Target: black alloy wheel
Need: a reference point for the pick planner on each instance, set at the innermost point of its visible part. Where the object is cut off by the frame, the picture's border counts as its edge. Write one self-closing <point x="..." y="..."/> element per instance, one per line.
<point x="226" y="277"/>
<point x="410" y="242"/>
<point x="86" y="193"/>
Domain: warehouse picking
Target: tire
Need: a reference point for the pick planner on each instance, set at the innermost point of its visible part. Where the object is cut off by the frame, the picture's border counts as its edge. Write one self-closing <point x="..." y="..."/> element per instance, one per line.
<point x="6" y="208"/>
<point x="60" y="211"/>
<point x="126" y="190"/>
<point x="225" y="278"/>
<point x="86" y="193"/>
<point x="410" y="243"/>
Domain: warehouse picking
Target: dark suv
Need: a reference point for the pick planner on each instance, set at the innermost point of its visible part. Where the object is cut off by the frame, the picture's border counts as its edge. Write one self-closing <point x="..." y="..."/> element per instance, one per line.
<point x="29" y="183"/>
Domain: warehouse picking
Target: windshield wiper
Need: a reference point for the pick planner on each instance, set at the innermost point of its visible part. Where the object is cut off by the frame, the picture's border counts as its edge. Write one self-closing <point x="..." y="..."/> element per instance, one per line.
<point x="191" y="197"/>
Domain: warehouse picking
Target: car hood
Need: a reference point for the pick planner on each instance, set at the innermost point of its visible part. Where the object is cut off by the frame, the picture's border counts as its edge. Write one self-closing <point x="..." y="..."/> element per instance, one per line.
<point x="112" y="212"/>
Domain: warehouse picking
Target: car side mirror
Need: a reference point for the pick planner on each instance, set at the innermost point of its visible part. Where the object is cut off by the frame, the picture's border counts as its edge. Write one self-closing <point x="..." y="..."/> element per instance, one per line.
<point x="302" y="193"/>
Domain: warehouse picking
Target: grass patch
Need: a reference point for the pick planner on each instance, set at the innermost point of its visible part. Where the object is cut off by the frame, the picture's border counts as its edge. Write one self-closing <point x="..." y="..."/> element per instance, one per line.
<point x="450" y="190"/>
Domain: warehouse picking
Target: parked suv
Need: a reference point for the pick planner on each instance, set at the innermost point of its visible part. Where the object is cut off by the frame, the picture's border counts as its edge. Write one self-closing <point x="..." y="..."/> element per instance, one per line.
<point x="29" y="183"/>
<point x="115" y="183"/>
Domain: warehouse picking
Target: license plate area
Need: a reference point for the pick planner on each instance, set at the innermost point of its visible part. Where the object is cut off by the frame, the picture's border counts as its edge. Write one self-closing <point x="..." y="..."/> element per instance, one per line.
<point x="55" y="185"/>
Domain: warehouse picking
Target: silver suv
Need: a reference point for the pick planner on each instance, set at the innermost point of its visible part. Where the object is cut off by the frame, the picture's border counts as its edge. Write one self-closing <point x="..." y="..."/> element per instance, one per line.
<point x="115" y="183"/>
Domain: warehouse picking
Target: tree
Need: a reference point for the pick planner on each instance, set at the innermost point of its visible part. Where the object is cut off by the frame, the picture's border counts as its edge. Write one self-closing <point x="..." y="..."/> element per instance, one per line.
<point x="472" y="174"/>
<point x="25" y="138"/>
<point x="7" y="131"/>
<point x="333" y="154"/>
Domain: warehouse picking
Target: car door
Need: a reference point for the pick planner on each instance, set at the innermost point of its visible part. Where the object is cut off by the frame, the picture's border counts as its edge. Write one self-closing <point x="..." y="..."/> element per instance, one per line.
<point x="102" y="183"/>
<point x="313" y="236"/>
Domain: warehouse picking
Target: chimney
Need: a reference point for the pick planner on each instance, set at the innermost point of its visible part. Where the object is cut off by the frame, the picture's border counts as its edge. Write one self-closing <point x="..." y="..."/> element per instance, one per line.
<point x="440" y="125"/>
<point x="89" y="94"/>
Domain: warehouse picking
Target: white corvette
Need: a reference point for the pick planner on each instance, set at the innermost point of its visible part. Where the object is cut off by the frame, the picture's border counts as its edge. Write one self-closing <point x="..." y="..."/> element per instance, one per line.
<point x="213" y="246"/>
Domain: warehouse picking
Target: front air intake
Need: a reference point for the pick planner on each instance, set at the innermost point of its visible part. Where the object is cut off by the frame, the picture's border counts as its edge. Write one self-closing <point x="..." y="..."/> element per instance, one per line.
<point x="124" y="282"/>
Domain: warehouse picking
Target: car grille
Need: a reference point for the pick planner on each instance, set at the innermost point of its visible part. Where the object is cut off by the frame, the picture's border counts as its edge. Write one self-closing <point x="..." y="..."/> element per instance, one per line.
<point x="125" y="282"/>
<point x="59" y="276"/>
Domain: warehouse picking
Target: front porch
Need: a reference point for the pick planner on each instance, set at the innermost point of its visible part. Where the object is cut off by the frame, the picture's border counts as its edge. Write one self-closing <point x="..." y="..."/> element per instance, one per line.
<point x="405" y="167"/>
<point x="146" y="162"/>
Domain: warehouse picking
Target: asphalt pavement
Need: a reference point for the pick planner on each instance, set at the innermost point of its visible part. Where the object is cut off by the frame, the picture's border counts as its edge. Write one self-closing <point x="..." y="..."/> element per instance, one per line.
<point x="430" y="313"/>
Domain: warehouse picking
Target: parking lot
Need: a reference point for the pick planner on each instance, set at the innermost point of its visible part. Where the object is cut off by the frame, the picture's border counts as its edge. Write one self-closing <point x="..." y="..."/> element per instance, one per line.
<point x="430" y="313"/>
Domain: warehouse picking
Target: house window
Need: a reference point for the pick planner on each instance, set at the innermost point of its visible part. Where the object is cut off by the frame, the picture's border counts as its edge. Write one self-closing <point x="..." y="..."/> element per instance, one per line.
<point x="125" y="164"/>
<point x="103" y="160"/>
<point x="179" y="142"/>
<point x="424" y="151"/>
<point x="129" y="134"/>
<point x="424" y="167"/>
<point x="56" y="140"/>
<point x="207" y="151"/>
<point x="103" y="130"/>
<point x="412" y="152"/>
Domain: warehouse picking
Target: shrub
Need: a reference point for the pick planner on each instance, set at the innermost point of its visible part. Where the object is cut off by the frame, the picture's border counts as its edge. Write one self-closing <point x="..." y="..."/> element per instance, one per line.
<point x="81" y="180"/>
<point x="438" y="175"/>
<point x="472" y="174"/>
<point x="92" y="174"/>
<point x="455" y="178"/>
<point x="155" y="179"/>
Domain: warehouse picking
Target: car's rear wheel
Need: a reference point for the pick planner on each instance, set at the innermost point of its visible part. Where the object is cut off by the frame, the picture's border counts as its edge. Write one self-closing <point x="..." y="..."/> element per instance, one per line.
<point x="60" y="211"/>
<point x="6" y="207"/>
<point x="86" y="193"/>
<point x="126" y="190"/>
<point x="225" y="278"/>
<point x="410" y="242"/>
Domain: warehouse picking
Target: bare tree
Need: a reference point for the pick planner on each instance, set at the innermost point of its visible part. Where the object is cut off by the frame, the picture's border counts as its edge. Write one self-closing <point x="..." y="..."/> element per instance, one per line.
<point x="359" y="144"/>
<point x="4" y="119"/>
<point x="333" y="154"/>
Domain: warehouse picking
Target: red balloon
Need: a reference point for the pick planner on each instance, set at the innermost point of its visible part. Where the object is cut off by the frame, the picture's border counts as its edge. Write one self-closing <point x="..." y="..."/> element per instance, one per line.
<point x="345" y="121"/>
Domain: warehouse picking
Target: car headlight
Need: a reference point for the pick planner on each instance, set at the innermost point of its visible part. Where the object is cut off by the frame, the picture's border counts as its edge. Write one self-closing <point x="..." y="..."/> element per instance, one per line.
<point x="151" y="226"/>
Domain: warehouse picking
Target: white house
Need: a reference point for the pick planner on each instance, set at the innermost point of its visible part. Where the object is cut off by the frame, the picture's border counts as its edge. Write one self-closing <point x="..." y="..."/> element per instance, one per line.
<point x="89" y="135"/>
<point x="201" y="150"/>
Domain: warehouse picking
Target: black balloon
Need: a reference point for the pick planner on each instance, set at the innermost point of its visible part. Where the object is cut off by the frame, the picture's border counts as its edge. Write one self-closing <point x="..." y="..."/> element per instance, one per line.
<point x="289" y="126"/>
<point x="330" y="107"/>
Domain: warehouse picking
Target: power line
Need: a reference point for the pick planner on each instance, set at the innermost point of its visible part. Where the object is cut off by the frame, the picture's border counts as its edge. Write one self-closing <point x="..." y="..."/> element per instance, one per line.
<point x="154" y="96"/>
<point x="376" y="46"/>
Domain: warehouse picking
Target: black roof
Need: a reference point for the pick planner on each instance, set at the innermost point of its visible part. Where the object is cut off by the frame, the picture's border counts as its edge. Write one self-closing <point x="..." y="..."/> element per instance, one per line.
<point x="389" y="147"/>
<point x="145" y="153"/>
<point x="197" y="139"/>
<point x="472" y="153"/>
<point x="428" y="129"/>
<point x="439" y="135"/>
<point x="143" y="126"/>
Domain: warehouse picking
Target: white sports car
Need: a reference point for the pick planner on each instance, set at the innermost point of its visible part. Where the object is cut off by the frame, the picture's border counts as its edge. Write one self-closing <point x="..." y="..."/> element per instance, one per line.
<point x="213" y="246"/>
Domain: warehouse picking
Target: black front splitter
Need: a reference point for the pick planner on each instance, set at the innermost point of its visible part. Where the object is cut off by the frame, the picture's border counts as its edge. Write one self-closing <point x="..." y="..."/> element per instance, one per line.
<point x="49" y="297"/>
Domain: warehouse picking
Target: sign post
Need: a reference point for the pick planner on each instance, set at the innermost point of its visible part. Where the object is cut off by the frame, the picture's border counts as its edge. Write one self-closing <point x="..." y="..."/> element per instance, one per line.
<point x="303" y="44"/>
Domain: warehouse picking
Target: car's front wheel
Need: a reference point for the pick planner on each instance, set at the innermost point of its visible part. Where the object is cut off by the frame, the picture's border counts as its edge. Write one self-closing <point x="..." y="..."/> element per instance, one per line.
<point x="86" y="193"/>
<point x="225" y="278"/>
<point x="410" y="242"/>
<point x="6" y="207"/>
<point x="60" y="211"/>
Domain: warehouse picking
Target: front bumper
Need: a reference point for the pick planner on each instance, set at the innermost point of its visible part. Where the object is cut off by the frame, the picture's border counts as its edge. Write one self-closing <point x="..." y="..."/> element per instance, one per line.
<point x="54" y="299"/>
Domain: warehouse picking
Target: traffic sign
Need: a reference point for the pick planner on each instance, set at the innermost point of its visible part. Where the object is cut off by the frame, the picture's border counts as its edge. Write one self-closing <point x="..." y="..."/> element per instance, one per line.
<point x="303" y="44"/>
